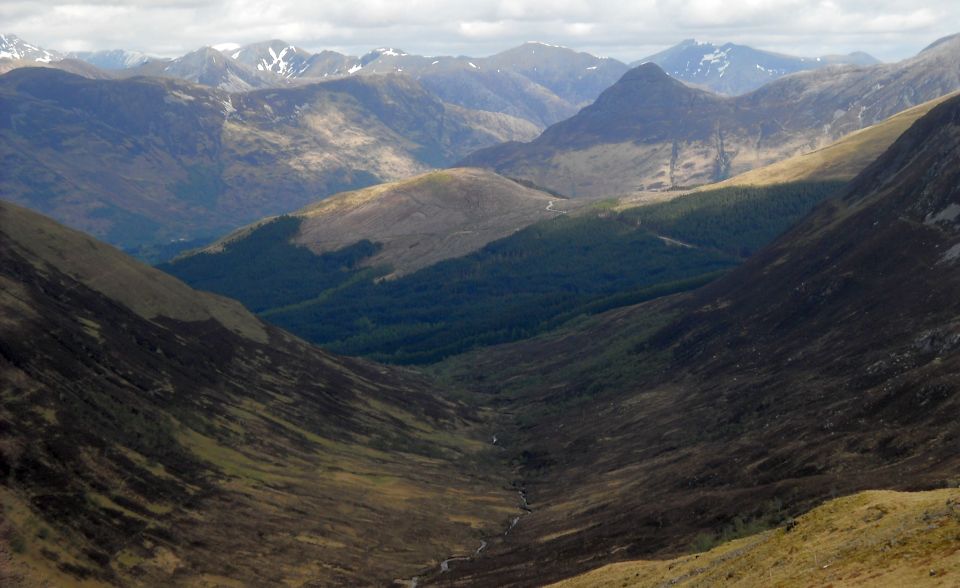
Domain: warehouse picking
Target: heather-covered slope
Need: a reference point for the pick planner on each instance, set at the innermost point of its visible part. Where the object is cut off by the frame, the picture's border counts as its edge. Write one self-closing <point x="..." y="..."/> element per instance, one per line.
<point x="827" y="364"/>
<point x="154" y="435"/>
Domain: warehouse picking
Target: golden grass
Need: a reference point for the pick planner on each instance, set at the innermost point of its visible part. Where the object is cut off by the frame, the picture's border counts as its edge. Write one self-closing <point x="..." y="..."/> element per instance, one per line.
<point x="27" y="565"/>
<point x="875" y="538"/>
<point x="320" y="541"/>
<point x="558" y="534"/>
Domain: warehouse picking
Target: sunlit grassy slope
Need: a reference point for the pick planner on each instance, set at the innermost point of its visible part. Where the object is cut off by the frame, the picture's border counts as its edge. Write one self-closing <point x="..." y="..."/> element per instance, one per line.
<point x="875" y="538"/>
<point x="840" y="161"/>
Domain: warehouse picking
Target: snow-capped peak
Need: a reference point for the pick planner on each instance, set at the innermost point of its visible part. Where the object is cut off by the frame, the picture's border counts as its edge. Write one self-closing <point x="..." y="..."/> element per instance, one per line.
<point x="542" y="44"/>
<point x="224" y="47"/>
<point x="13" y="47"/>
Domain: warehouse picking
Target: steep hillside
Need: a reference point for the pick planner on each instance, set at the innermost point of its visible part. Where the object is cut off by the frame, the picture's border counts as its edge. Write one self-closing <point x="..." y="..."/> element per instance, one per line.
<point x="737" y="69"/>
<point x="650" y="132"/>
<point x="826" y="365"/>
<point x="868" y="539"/>
<point x="143" y="160"/>
<point x="154" y="435"/>
<point x="840" y="161"/>
<point x="647" y="131"/>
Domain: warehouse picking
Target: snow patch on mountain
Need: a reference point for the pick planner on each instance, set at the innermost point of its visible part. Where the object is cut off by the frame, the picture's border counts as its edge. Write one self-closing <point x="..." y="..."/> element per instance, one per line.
<point x="711" y="59"/>
<point x="541" y="43"/>
<point x="279" y="63"/>
<point x="13" y="47"/>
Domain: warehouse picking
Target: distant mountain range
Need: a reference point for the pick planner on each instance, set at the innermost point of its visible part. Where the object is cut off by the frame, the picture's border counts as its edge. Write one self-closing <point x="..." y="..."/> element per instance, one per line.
<point x="278" y="127"/>
<point x="147" y="159"/>
<point x="112" y="58"/>
<point x="651" y="132"/>
<point x="208" y="67"/>
<point x="540" y="82"/>
<point x="738" y="69"/>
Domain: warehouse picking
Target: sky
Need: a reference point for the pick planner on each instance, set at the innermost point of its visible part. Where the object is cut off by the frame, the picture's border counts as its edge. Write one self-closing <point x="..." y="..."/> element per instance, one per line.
<point x="624" y="29"/>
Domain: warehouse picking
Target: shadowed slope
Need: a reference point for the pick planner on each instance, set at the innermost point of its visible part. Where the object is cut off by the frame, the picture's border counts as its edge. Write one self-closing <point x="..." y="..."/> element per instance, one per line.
<point x="827" y="364"/>
<point x="153" y="435"/>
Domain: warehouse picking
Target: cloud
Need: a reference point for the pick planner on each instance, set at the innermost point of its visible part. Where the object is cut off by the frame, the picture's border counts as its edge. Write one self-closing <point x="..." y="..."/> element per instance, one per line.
<point x="627" y="30"/>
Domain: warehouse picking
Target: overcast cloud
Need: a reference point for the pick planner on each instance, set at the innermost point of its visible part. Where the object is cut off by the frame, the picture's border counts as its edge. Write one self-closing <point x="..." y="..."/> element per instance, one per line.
<point x="625" y="29"/>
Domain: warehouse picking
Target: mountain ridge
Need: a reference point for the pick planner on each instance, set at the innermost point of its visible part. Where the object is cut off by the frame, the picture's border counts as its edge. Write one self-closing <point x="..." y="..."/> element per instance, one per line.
<point x="613" y="149"/>
<point x="422" y="220"/>
<point x="733" y="69"/>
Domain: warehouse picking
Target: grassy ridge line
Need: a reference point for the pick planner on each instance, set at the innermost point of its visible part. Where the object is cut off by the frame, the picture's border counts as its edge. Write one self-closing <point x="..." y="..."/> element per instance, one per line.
<point x="874" y="538"/>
